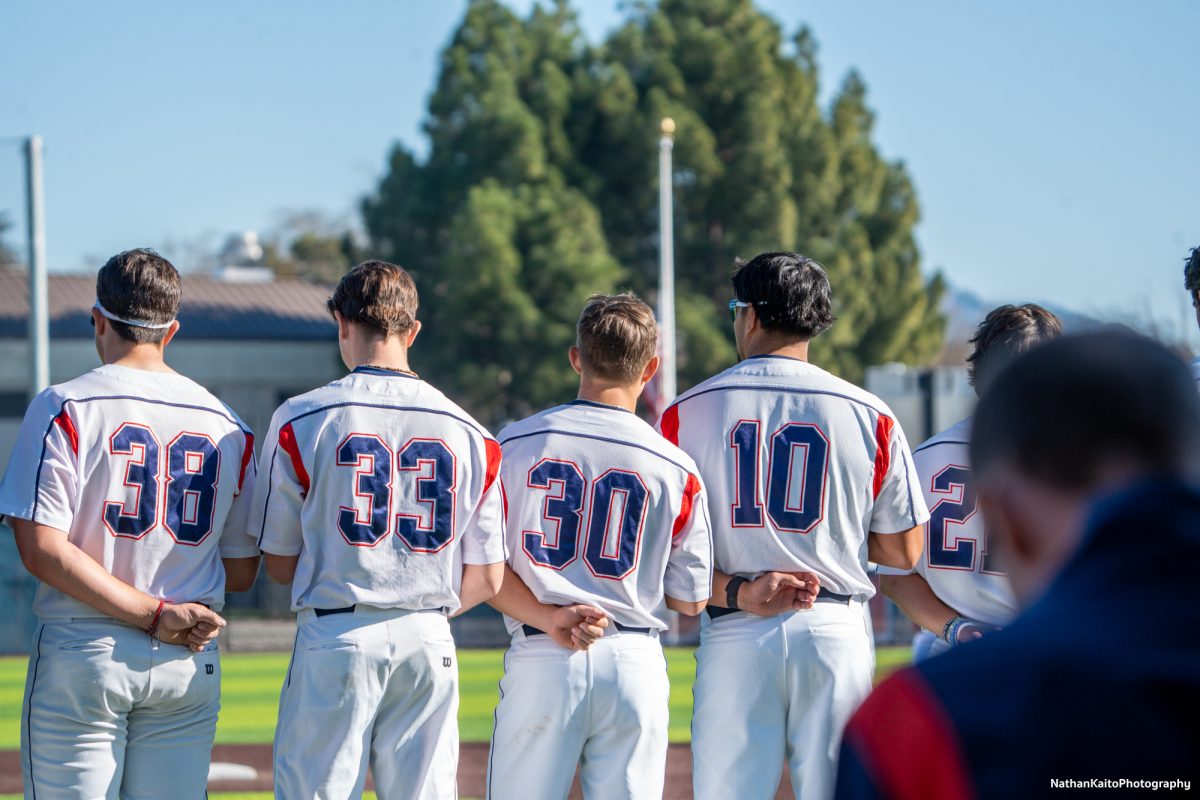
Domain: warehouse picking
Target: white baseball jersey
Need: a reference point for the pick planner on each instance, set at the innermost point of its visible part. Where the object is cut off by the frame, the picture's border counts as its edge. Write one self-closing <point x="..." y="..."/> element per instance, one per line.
<point x="799" y="466"/>
<point x="146" y="472"/>
<point x="603" y="510"/>
<point x="384" y="488"/>
<point x="956" y="562"/>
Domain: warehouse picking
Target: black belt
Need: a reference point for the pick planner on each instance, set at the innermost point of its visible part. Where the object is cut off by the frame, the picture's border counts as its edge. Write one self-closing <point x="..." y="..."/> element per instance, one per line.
<point x="823" y="596"/>
<point x="325" y="612"/>
<point x="532" y="631"/>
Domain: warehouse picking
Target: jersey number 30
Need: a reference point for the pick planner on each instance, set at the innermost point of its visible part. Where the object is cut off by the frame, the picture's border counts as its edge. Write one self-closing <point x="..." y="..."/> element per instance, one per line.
<point x="618" y="502"/>
<point x="796" y="476"/>
<point x="190" y="472"/>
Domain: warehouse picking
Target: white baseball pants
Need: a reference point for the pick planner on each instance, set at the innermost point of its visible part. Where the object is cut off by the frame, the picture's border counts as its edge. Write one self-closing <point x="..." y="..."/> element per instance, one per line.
<point x="374" y="686"/>
<point x="110" y="712"/>
<point x="604" y="710"/>
<point x="774" y="688"/>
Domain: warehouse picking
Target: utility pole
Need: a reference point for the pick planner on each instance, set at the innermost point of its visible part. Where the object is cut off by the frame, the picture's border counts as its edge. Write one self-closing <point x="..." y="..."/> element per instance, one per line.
<point x="39" y="315"/>
<point x="666" y="262"/>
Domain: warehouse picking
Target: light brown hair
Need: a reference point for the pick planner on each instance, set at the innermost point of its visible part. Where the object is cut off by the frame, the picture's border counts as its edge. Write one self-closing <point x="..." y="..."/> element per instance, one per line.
<point x="616" y="336"/>
<point x="379" y="295"/>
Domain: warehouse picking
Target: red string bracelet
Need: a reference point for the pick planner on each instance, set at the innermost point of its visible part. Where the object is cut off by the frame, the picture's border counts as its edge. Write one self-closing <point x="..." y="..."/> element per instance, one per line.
<point x="154" y="622"/>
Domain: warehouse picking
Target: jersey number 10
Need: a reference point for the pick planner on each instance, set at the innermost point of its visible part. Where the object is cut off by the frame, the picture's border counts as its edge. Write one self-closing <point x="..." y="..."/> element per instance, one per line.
<point x="798" y="462"/>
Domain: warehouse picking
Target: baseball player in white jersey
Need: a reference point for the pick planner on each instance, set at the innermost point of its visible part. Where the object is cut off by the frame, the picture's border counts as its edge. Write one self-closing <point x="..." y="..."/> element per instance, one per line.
<point x="380" y="504"/>
<point x="601" y="511"/>
<point x="958" y="590"/>
<point x="127" y="490"/>
<point x="807" y="477"/>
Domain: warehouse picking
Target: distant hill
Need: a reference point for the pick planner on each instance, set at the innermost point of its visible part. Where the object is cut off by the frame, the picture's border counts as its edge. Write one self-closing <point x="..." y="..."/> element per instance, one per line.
<point x="964" y="311"/>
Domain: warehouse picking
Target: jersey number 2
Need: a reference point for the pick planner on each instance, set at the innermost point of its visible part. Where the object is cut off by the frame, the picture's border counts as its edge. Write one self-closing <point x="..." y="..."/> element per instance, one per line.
<point x="191" y="471"/>
<point x="798" y="460"/>
<point x="432" y="526"/>
<point x="959" y="505"/>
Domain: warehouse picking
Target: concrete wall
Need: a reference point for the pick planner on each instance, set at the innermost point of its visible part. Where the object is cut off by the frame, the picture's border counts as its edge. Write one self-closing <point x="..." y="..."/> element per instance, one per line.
<point x="925" y="400"/>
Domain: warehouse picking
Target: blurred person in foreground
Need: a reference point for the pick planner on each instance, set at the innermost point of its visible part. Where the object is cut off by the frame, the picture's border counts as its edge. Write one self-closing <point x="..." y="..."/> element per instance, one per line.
<point x="1085" y="451"/>
<point x="958" y="591"/>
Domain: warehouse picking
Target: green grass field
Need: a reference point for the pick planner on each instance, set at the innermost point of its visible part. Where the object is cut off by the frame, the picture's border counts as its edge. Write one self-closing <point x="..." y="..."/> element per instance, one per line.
<point x="251" y="681"/>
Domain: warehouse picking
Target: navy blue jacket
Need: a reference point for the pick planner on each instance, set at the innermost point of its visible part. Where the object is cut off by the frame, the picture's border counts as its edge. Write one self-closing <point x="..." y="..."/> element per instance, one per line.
<point x="1098" y="679"/>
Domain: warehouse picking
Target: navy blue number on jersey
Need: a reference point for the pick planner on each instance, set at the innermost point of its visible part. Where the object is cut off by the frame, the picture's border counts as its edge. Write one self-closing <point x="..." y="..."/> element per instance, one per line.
<point x="563" y="510"/>
<point x="747" y="511"/>
<point x="614" y="530"/>
<point x="621" y="495"/>
<point x="192" y="467"/>
<point x="946" y="550"/>
<point x="372" y="462"/>
<point x="434" y="465"/>
<point x="796" y="476"/>
<point x="428" y="462"/>
<point x="141" y="474"/>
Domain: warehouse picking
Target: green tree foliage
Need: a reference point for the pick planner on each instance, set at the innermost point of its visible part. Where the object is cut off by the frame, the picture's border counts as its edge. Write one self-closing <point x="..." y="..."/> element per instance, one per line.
<point x="540" y="186"/>
<point x="8" y="256"/>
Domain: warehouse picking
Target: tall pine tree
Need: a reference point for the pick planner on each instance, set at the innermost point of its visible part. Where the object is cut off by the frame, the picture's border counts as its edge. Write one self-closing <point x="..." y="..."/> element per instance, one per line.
<point x="540" y="187"/>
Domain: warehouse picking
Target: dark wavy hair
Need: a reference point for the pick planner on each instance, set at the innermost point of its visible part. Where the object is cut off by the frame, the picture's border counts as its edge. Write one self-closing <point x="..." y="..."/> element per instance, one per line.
<point x="790" y="293"/>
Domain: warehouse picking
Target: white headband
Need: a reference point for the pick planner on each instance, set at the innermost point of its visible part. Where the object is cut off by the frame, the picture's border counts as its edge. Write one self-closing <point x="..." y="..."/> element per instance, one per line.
<point x="156" y="326"/>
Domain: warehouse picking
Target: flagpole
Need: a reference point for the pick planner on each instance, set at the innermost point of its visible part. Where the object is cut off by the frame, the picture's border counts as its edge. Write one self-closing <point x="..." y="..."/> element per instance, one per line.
<point x="666" y="262"/>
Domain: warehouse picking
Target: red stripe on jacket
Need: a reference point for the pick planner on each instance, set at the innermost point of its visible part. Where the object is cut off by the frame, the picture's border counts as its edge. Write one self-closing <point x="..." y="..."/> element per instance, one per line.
<point x="907" y="743"/>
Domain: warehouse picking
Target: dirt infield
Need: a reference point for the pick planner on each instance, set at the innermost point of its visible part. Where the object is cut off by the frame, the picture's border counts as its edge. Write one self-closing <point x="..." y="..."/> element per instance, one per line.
<point x="472" y="771"/>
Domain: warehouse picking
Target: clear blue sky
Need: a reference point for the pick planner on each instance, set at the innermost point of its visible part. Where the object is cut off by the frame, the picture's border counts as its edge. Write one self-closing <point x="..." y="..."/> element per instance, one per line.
<point x="1055" y="146"/>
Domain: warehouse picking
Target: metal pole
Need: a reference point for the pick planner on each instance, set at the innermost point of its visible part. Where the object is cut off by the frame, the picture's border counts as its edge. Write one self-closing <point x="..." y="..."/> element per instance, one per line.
<point x="666" y="262"/>
<point x="39" y="316"/>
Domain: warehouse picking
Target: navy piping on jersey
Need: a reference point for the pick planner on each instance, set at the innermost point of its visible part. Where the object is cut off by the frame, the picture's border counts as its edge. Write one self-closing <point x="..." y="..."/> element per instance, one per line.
<point x="548" y="431"/>
<point x="37" y="479"/>
<point x="29" y="711"/>
<point x="389" y="407"/>
<point x="928" y="445"/>
<point x="366" y="369"/>
<point x="790" y="389"/>
<point x="262" y="531"/>
<point x="579" y="401"/>
<point x="773" y="355"/>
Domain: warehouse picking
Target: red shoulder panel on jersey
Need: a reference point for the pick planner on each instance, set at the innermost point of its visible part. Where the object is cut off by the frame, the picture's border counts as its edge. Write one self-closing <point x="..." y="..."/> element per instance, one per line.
<point x="669" y="425"/>
<point x="287" y="440"/>
<point x="685" y="509"/>
<point x="247" y="457"/>
<point x="493" y="463"/>
<point x="883" y="449"/>
<point x="63" y="421"/>
<point x="903" y="737"/>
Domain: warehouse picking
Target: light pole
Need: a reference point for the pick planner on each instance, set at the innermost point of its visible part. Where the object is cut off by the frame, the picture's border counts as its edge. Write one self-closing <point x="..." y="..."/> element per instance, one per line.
<point x="666" y="262"/>
<point x="39" y="316"/>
